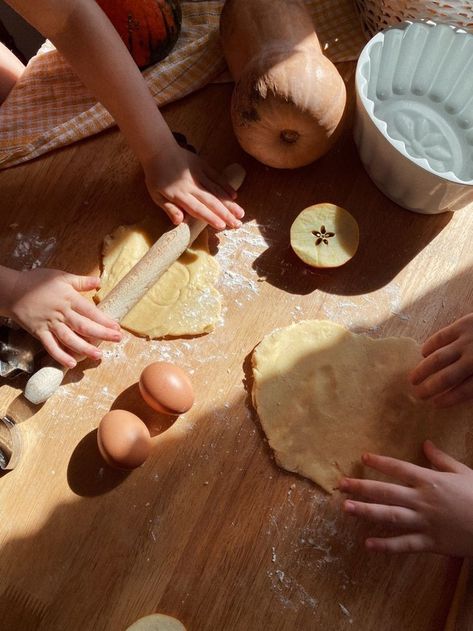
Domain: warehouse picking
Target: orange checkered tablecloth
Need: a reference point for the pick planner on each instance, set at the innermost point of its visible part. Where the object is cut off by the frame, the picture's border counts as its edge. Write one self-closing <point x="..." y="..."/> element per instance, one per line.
<point x="49" y="107"/>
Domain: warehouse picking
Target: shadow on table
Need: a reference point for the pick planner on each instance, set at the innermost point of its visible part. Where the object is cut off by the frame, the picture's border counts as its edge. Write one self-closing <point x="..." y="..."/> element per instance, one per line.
<point x="207" y="527"/>
<point x="88" y="474"/>
<point x="390" y="237"/>
<point x="131" y="400"/>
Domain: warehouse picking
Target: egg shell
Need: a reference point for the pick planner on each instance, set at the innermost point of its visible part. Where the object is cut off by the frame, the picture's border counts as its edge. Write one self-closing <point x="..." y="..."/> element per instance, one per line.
<point x="123" y="440"/>
<point x="166" y="388"/>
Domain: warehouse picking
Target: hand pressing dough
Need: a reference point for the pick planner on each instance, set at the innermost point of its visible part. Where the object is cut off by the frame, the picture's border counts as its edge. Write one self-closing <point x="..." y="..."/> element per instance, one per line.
<point x="183" y="302"/>
<point x="325" y="396"/>
<point x="325" y="235"/>
<point x="157" y="622"/>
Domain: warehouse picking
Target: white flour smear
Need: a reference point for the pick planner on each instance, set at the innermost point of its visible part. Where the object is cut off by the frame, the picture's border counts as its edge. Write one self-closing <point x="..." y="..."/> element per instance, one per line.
<point x="238" y="249"/>
<point x="301" y="555"/>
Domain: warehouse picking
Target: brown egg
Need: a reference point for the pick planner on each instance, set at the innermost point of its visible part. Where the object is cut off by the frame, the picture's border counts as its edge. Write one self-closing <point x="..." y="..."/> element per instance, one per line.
<point x="123" y="440"/>
<point x="166" y="388"/>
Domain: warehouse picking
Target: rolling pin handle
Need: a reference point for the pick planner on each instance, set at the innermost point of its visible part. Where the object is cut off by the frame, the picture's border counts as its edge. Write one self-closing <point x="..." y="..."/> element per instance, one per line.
<point x="44" y="383"/>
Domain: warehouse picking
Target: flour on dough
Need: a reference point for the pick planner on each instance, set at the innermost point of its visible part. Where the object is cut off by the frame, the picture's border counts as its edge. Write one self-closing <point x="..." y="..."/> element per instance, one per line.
<point x="325" y="396"/>
<point x="183" y="302"/>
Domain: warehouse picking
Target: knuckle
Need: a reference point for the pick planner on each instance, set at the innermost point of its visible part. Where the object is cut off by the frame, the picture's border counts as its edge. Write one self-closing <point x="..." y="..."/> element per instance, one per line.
<point x="363" y="509"/>
<point x="68" y="337"/>
<point x="83" y="329"/>
<point x="449" y="379"/>
<point x="436" y="360"/>
<point x="444" y="335"/>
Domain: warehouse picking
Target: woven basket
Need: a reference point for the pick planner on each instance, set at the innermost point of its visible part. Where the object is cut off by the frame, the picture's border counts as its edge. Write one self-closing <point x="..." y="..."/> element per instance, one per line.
<point x="376" y="15"/>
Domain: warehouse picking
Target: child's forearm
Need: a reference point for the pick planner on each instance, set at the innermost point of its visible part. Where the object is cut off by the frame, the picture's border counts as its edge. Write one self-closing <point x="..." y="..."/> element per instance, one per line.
<point x="11" y="69"/>
<point x="8" y="279"/>
<point x="85" y="37"/>
<point x="177" y="181"/>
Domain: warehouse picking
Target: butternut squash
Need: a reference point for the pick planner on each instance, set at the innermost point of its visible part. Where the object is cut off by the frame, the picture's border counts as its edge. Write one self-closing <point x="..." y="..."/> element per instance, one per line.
<point x="289" y="99"/>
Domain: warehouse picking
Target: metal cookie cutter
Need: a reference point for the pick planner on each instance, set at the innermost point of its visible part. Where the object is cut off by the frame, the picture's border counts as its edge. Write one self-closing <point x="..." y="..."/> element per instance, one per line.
<point x="18" y="352"/>
<point x="11" y="444"/>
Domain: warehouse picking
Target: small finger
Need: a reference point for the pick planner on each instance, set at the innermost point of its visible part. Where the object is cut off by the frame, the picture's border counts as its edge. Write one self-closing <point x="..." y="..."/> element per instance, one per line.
<point x="217" y="207"/>
<point x="52" y="346"/>
<point x="393" y="515"/>
<point x="413" y="542"/>
<point x="434" y="362"/>
<point x="447" y="378"/>
<point x="90" y="310"/>
<point x="197" y="209"/>
<point x="174" y="213"/>
<point x="236" y="210"/>
<point x="441" y="460"/>
<point x="89" y="329"/>
<point x="84" y="283"/>
<point x="71" y="340"/>
<point x="456" y="395"/>
<point x="381" y="492"/>
<point x="442" y="338"/>
<point x="406" y="472"/>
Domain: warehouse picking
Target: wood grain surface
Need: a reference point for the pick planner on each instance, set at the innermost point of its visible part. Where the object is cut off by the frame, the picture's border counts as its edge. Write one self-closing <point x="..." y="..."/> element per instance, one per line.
<point x="210" y="530"/>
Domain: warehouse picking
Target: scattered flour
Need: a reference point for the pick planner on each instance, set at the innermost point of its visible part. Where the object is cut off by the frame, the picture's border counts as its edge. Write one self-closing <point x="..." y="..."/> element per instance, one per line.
<point x="302" y="554"/>
<point x="238" y="249"/>
<point x="364" y="313"/>
<point x="32" y="249"/>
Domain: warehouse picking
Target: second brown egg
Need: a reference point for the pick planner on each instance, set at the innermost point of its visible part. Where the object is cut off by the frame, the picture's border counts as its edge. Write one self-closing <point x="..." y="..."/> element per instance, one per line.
<point x="166" y="388"/>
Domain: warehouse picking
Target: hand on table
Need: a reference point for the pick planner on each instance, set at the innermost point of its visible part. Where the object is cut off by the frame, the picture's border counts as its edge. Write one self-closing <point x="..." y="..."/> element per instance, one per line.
<point x="181" y="182"/>
<point x="446" y="373"/>
<point x="48" y="305"/>
<point x="430" y="511"/>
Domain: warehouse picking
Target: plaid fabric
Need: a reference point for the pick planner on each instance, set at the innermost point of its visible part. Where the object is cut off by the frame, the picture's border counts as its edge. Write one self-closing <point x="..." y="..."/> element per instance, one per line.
<point x="49" y="107"/>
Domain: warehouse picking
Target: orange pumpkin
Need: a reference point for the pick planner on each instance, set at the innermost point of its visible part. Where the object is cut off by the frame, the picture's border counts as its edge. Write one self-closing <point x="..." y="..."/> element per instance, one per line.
<point x="149" y="28"/>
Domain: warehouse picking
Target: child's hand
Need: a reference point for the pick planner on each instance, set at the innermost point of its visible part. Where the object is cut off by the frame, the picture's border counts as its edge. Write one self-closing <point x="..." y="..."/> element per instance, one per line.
<point x="46" y="303"/>
<point x="182" y="182"/>
<point x="432" y="510"/>
<point x="446" y="373"/>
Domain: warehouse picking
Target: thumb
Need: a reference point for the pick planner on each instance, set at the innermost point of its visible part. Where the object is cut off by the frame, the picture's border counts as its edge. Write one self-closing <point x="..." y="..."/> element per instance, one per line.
<point x="441" y="460"/>
<point x="85" y="283"/>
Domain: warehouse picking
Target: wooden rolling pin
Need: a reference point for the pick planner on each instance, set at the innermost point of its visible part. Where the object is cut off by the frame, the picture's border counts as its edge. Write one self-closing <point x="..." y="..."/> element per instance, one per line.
<point x="133" y="286"/>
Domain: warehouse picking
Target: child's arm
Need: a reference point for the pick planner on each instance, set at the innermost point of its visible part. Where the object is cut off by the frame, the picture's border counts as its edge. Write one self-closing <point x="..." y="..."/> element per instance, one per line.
<point x="47" y="304"/>
<point x="446" y="373"/>
<point x="430" y="511"/>
<point x="177" y="180"/>
<point x="11" y="69"/>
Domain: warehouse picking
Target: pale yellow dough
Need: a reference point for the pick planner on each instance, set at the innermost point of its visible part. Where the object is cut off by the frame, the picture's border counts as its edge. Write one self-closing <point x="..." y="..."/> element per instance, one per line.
<point x="325" y="396"/>
<point x="157" y="622"/>
<point x="183" y="302"/>
<point x="325" y="235"/>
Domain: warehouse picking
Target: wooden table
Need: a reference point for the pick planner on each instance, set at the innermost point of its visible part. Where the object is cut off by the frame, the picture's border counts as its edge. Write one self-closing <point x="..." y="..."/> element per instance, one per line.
<point x="210" y="529"/>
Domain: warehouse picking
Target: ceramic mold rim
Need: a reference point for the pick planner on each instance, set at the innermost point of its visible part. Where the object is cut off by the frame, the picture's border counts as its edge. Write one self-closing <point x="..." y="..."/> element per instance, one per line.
<point x="362" y="82"/>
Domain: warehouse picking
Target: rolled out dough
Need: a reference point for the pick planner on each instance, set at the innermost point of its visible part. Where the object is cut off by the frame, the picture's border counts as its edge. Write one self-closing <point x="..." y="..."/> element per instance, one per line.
<point x="157" y="622"/>
<point x="325" y="396"/>
<point x="183" y="302"/>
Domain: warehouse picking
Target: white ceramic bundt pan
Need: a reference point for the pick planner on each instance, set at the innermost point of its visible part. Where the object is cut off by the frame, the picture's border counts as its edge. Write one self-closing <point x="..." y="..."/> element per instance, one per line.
<point x="414" y="115"/>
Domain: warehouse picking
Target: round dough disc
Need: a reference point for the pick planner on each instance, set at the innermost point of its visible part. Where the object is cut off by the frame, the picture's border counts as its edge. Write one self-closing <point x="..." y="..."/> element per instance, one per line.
<point x="157" y="622"/>
<point x="325" y="235"/>
<point x="325" y="396"/>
